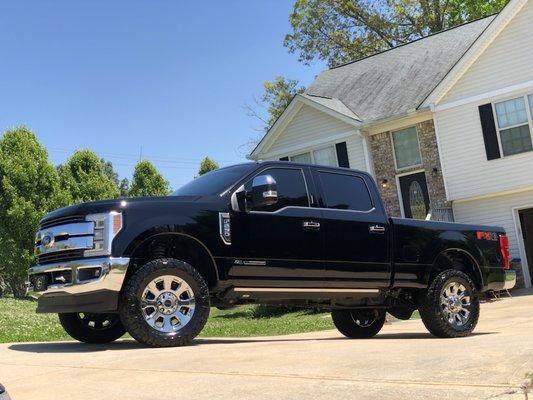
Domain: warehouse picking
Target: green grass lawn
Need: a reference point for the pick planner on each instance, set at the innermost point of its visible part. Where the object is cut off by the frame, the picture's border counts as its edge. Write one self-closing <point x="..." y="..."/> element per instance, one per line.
<point x="20" y="323"/>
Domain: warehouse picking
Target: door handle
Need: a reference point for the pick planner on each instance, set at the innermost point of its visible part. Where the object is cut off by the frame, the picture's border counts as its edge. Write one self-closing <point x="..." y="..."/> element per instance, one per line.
<point x="313" y="225"/>
<point x="376" y="229"/>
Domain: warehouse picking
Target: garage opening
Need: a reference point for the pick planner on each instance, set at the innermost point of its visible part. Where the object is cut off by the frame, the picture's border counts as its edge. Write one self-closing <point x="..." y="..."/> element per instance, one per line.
<point x="526" y="226"/>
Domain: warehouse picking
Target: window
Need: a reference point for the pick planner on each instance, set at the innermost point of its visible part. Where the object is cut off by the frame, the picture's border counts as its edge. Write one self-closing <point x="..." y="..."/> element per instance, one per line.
<point x="326" y="156"/>
<point x="514" y="125"/>
<point x="292" y="190"/>
<point x="345" y="192"/>
<point x="406" y="148"/>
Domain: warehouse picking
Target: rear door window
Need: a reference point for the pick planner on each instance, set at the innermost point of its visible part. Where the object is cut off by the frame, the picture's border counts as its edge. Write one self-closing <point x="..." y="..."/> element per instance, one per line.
<point x="345" y="192"/>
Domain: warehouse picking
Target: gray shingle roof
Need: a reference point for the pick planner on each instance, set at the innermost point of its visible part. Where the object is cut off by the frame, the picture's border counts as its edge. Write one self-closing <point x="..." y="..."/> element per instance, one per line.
<point x="397" y="81"/>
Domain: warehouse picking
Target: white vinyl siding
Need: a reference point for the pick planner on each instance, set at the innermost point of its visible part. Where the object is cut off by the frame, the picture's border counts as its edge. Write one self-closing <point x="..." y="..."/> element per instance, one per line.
<point x="507" y="61"/>
<point x="308" y="125"/>
<point x="464" y="162"/>
<point x="495" y="211"/>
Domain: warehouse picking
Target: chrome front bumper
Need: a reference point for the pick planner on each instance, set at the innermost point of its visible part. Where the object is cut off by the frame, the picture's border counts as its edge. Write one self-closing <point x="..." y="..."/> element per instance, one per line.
<point x="510" y="279"/>
<point x="91" y="284"/>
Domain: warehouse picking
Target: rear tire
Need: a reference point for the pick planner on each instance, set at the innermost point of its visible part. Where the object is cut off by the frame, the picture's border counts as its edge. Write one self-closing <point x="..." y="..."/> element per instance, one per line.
<point x="92" y="328"/>
<point x="358" y="323"/>
<point x="165" y="303"/>
<point x="450" y="306"/>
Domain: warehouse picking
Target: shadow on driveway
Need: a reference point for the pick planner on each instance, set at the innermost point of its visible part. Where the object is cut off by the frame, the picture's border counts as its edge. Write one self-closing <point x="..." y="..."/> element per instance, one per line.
<point x="128" y="344"/>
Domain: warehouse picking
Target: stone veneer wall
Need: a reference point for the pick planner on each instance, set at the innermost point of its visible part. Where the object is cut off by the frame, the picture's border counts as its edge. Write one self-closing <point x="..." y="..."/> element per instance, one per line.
<point x="385" y="168"/>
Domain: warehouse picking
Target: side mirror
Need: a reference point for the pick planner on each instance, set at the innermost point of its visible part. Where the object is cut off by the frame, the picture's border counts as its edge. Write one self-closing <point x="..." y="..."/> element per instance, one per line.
<point x="264" y="191"/>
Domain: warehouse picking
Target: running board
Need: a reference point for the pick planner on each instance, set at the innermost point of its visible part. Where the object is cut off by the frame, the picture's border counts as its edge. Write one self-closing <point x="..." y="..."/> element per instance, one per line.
<point x="298" y="293"/>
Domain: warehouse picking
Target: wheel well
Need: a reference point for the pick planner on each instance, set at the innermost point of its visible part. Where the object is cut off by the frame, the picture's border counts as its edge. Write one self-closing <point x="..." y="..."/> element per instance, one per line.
<point x="179" y="246"/>
<point x="459" y="260"/>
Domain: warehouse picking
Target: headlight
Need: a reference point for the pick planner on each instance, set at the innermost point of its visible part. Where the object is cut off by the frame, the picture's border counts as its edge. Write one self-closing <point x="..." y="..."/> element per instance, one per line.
<point x="106" y="227"/>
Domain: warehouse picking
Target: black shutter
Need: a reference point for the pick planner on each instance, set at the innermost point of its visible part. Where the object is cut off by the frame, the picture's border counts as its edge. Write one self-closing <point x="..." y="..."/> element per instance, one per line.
<point x="489" y="131"/>
<point x="342" y="155"/>
<point x="284" y="159"/>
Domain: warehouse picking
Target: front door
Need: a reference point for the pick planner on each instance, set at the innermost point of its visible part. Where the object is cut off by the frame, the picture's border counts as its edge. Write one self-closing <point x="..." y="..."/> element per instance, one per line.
<point x="356" y="232"/>
<point x="282" y="242"/>
<point x="526" y="222"/>
<point x="415" y="196"/>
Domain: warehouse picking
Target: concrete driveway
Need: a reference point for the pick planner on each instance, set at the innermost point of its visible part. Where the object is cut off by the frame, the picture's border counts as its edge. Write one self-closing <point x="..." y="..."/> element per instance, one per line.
<point x="402" y="362"/>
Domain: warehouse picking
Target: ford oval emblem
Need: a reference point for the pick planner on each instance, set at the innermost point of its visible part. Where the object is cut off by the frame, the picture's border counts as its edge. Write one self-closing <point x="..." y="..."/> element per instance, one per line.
<point x="47" y="240"/>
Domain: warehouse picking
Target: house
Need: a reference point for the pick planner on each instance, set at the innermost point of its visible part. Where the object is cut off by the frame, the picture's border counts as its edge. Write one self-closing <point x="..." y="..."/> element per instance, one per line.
<point x="444" y="124"/>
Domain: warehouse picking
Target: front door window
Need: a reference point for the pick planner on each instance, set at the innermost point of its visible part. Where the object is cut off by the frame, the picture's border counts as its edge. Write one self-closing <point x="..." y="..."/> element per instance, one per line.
<point x="416" y="201"/>
<point x="415" y="196"/>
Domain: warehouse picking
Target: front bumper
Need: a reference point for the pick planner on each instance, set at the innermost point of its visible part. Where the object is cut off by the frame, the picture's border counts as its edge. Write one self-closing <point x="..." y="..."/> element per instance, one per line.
<point x="86" y="285"/>
<point x="510" y="279"/>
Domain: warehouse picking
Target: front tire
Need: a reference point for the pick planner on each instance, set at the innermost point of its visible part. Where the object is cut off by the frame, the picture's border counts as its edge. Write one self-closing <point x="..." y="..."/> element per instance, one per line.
<point x="92" y="328"/>
<point x="358" y="323"/>
<point x="450" y="306"/>
<point x="165" y="303"/>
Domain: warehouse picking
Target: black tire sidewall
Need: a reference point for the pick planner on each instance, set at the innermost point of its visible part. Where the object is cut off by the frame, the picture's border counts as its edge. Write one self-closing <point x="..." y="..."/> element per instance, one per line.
<point x="131" y="314"/>
<point x="344" y="321"/>
<point x="73" y="325"/>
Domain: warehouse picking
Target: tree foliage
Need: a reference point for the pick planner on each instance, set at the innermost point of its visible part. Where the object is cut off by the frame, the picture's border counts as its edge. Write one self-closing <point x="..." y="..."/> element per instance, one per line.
<point x="277" y="96"/>
<point x="124" y="187"/>
<point x="87" y="178"/>
<point x="207" y="165"/>
<point x="147" y="181"/>
<point x="339" y="31"/>
<point x="29" y="187"/>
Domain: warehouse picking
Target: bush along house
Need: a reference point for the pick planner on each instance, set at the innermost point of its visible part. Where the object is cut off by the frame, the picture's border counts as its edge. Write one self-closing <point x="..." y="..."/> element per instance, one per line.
<point x="444" y="124"/>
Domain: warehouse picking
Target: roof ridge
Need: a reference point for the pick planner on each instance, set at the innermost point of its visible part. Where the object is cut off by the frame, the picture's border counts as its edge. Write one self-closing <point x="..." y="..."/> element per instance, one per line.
<point x="413" y="41"/>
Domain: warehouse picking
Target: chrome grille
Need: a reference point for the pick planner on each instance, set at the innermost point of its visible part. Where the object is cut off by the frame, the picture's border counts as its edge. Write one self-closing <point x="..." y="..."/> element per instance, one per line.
<point x="64" y="242"/>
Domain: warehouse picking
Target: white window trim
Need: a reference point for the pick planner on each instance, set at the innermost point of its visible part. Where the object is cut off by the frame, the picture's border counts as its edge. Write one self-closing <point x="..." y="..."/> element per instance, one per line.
<point x="311" y="152"/>
<point x="497" y="123"/>
<point x="394" y="150"/>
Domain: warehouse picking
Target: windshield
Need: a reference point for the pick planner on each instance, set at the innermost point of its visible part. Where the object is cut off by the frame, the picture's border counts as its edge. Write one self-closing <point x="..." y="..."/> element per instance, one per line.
<point x="214" y="182"/>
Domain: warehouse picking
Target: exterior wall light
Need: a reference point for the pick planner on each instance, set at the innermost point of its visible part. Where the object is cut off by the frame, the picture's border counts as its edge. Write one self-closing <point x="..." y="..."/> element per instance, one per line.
<point x="385" y="183"/>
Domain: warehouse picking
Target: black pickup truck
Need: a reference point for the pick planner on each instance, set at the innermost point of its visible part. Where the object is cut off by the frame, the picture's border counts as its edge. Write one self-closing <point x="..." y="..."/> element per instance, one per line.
<point x="272" y="232"/>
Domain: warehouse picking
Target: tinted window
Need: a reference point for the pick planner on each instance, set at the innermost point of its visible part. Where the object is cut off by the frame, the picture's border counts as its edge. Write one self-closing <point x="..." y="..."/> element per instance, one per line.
<point x="345" y="192"/>
<point x="291" y="188"/>
<point x="214" y="182"/>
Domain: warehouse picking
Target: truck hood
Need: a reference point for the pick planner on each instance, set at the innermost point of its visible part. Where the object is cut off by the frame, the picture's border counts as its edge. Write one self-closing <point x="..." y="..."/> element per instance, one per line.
<point x="101" y="206"/>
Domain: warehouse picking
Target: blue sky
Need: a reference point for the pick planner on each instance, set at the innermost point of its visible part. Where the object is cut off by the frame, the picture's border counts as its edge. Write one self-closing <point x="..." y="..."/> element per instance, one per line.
<point x="170" y="76"/>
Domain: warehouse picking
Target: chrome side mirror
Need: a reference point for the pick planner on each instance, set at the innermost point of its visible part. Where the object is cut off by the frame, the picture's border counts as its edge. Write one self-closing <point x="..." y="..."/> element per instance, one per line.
<point x="264" y="191"/>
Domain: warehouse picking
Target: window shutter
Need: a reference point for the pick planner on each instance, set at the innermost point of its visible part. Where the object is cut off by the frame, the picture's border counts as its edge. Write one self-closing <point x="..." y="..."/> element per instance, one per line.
<point x="490" y="136"/>
<point x="342" y="155"/>
<point x="284" y="159"/>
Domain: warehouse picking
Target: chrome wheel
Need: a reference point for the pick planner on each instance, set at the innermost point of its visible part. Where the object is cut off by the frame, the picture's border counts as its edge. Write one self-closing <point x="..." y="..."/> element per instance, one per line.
<point x="455" y="304"/>
<point x="167" y="303"/>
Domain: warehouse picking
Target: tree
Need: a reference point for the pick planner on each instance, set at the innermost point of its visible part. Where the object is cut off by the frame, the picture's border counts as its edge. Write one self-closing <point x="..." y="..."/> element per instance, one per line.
<point x="147" y="181"/>
<point x="110" y="171"/>
<point x="339" y="31"/>
<point x="276" y="97"/>
<point x="207" y="165"/>
<point x="87" y="178"/>
<point x="29" y="187"/>
<point x="124" y="187"/>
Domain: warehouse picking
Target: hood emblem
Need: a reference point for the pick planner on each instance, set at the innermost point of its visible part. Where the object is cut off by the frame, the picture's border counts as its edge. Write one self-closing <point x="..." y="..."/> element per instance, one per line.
<point x="47" y="239"/>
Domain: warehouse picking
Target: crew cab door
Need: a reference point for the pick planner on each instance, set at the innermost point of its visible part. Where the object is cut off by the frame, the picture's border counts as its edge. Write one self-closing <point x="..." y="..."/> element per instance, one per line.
<point x="356" y="230"/>
<point x="281" y="244"/>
